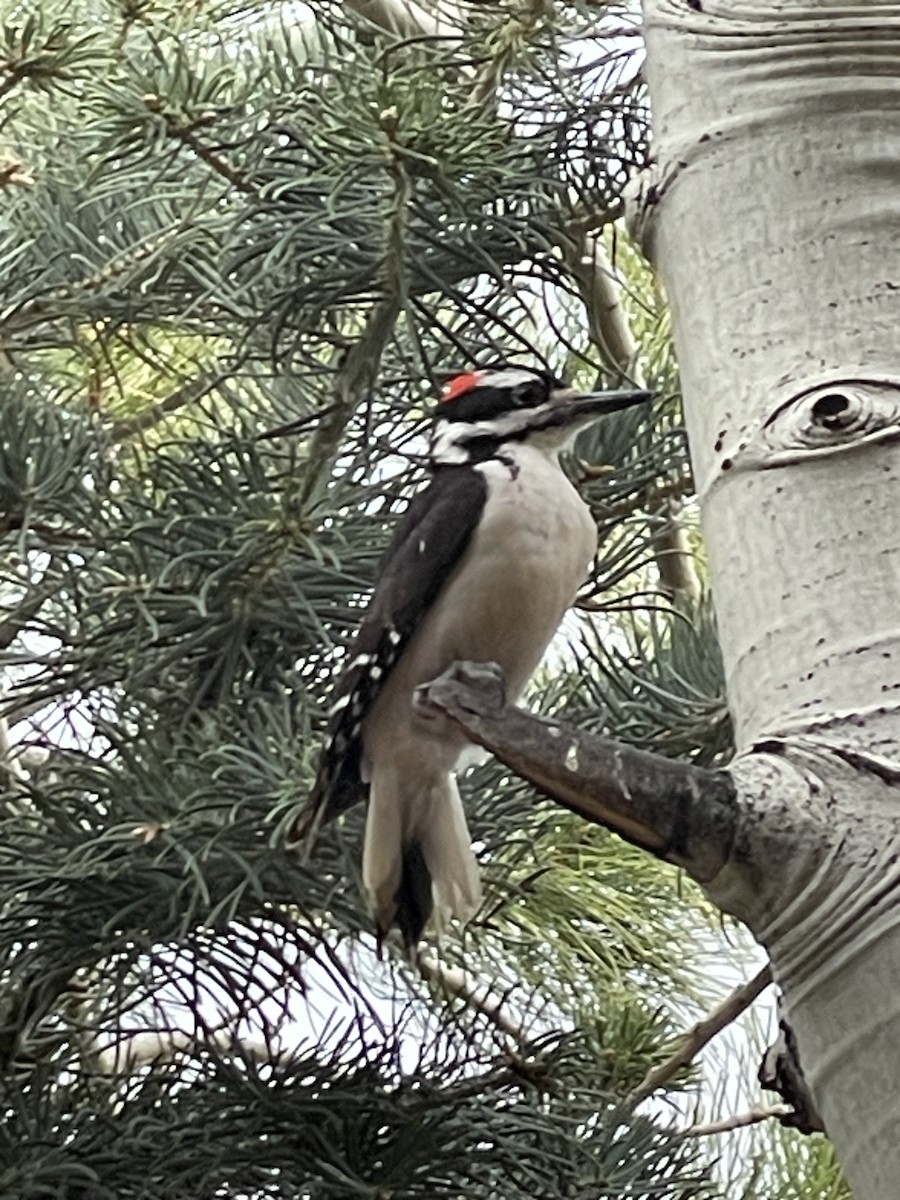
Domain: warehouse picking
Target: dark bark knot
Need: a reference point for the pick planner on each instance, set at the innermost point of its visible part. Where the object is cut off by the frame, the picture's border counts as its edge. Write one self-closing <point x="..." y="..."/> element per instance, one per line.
<point x="833" y="410"/>
<point x="847" y="413"/>
<point x="830" y="418"/>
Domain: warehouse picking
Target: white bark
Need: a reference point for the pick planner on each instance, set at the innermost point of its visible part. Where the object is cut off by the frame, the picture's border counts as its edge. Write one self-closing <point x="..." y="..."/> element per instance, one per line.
<point x="774" y="217"/>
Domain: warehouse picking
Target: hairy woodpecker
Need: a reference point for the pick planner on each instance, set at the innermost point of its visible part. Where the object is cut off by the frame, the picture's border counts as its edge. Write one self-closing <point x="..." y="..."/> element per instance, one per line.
<point x="482" y="566"/>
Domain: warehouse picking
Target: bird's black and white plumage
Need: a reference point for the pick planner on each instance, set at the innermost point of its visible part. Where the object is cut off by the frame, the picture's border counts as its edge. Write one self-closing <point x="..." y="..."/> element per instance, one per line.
<point x="482" y="566"/>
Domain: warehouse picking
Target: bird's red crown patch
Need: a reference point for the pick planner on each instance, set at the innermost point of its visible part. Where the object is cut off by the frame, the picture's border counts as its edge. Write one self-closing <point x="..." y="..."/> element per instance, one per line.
<point x="459" y="385"/>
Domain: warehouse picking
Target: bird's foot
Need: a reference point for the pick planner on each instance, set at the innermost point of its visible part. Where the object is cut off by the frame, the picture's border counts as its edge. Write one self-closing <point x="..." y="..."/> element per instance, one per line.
<point x="472" y="687"/>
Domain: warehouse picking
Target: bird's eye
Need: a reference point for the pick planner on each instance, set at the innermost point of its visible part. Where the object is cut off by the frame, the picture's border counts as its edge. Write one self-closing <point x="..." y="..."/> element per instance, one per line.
<point x="527" y="395"/>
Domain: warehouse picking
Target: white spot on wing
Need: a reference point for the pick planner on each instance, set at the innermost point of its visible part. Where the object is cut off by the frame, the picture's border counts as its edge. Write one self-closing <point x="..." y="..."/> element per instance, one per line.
<point x="571" y="759"/>
<point x="339" y="705"/>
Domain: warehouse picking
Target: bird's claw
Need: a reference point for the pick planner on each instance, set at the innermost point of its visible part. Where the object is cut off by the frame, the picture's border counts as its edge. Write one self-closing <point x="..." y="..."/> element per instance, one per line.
<point x="473" y="687"/>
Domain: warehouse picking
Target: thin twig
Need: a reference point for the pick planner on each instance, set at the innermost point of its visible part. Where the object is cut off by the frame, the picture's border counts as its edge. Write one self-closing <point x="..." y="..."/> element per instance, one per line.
<point x="740" y="1121"/>
<point x="297" y="425"/>
<point x="702" y="1033"/>
<point x="14" y="77"/>
<point x="455" y="982"/>
<point x="193" y="390"/>
<point x="359" y="368"/>
<point x="213" y="160"/>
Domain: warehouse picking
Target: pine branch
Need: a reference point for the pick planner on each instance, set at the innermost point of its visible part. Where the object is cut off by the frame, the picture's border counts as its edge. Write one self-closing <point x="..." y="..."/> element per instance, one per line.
<point x="187" y="136"/>
<point x="190" y="391"/>
<point x="357" y="373"/>
<point x="354" y="380"/>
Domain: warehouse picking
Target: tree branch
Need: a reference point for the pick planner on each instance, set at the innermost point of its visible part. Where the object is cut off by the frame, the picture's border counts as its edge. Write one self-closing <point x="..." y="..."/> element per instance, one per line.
<point x="355" y="378"/>
<point x="455" y="982"/>
<point x="742" y="1121"/>
<point x="357" y="373"/>
<point x="608" y="328"/>
<point x="674" y="557"/>
<point x="186" y="394"/>
<point x="680" y="813"/>
<point x="703" y="1032"/>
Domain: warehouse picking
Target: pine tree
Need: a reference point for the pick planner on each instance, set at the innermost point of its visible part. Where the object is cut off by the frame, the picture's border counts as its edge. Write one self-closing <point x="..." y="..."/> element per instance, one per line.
<point x="217" y="218"/>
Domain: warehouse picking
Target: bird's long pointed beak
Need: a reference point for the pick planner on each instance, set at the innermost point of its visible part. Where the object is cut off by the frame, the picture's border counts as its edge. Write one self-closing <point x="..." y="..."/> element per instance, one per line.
<point x="598" y="403"/>
<point x="571" y="412"/>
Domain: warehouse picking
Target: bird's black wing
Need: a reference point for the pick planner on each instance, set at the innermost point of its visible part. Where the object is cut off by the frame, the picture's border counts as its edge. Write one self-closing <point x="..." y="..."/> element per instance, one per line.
<point x="428" y="542"/>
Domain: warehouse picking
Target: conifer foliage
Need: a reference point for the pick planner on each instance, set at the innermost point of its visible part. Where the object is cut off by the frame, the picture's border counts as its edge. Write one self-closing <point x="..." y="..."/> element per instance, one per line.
<point x="217" y="217"/>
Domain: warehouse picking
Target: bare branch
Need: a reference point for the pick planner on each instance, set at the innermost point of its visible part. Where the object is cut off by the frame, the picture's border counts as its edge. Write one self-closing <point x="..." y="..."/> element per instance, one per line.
<point x="186" y="134"/>
<point x="674" y="557"/>
<point x="702" y="1033"/>
<point x="359" y="369"/>
<point x="610" y="331"/>
<point x="455" y="982"/>
<point x="608" y="327"/>
<point x="753" y="1117"/>
<point x="355" y="377"/>
<point x="683" y="814"/>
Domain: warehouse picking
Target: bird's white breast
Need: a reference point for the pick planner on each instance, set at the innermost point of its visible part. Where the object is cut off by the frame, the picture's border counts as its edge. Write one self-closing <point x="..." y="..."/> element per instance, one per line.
<point x="505" y="599"/>
<point x="532" y="508"/>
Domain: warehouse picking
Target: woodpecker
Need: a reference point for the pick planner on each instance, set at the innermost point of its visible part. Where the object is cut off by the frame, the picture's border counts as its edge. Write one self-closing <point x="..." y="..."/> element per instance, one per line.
<point x="482" y="566"/>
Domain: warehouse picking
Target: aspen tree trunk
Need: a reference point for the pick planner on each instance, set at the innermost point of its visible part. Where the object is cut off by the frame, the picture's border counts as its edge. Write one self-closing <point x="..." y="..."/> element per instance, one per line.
<point x="773" y="214"/>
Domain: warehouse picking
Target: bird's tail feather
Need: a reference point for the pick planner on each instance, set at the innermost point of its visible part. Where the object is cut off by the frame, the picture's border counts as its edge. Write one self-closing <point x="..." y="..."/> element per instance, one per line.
<point x="447" y="848"/>
<point x="418" y="859"/>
